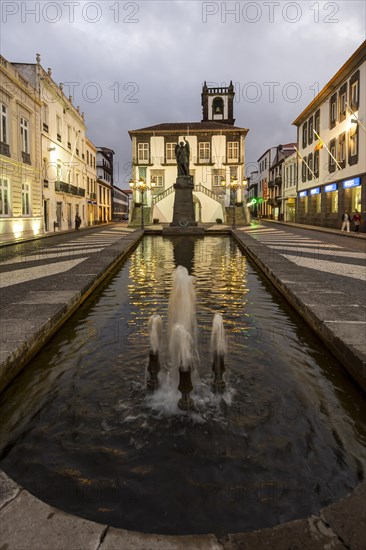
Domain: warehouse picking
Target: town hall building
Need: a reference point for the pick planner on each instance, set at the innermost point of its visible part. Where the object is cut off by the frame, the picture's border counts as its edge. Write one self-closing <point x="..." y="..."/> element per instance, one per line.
<point x="217" y="155"/>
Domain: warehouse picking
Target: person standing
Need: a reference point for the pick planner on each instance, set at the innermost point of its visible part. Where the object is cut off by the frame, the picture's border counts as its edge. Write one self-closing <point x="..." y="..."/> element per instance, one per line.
<point x="357" y="221"/>
<point x="346" y="219"/>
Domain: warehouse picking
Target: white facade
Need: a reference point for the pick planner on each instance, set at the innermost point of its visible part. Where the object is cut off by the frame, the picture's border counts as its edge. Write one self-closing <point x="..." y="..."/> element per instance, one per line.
<point x="329" y="184"/>
<point x="215" y="154"/>
<point x="20" y="156"/>
<point x="63" y="165"/>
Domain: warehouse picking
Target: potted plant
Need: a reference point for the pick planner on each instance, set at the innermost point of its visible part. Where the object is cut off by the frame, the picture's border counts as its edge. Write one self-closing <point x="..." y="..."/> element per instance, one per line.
<point x="156" y="220"/>
<point x="218" y="220"/>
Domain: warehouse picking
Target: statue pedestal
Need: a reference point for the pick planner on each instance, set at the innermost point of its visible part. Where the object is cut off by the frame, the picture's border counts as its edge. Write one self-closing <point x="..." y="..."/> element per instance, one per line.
<point x="183" y="212"/>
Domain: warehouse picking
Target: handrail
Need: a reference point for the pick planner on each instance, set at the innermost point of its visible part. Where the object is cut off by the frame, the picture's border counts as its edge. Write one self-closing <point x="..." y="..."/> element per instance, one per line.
<point x="162" y="195"/>
<point x="202" y="189"/>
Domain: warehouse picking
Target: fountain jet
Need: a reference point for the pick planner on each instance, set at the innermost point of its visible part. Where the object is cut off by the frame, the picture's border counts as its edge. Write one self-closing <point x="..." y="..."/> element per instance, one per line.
<point x="218" y="350"/>
<point x="155" y="328"/>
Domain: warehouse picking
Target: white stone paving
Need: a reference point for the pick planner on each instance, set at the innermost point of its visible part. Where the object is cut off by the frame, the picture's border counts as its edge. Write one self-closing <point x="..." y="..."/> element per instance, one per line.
<point x="289" y="245"/>
<point x="30" y="273"/>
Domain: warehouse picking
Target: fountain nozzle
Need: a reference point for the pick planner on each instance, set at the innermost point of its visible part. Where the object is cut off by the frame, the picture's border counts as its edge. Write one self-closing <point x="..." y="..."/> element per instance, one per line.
<point x="153" y="369"/>
<point x="185" y="387"/>
<point x="218" y="367"/>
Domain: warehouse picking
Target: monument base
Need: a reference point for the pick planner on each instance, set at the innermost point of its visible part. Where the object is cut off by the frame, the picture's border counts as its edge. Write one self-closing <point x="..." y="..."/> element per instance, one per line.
<point x="183" y="211"/>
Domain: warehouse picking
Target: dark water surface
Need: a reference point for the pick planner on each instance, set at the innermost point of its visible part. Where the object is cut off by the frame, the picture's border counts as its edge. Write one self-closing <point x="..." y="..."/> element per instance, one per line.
<point x="287" y="438"/>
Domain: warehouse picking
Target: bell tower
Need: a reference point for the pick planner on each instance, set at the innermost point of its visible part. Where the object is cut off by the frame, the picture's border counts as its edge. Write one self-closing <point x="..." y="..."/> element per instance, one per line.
<point x="218" y="104"/>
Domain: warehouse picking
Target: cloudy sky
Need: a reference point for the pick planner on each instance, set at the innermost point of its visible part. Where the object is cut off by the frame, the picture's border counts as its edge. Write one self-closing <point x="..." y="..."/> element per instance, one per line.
<point x="134" y="64"/>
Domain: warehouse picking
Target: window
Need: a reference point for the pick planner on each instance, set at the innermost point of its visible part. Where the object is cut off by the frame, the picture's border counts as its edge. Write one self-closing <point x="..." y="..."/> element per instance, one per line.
<point x="356" y="198"/>
<point x="24" y="135"/>
<point x="69" y="136"/>
<point x="333" y="111"/>
<point x="354" y="93"/>
<point x="217" y="177"/>
<point x="157" y="178"/>
<point x="204" y="151"/>
<point x="342" y="150"/>
<point x="332" y="201"/>
<point x="4" y="198"/>
<point x="303" y="169"/>
<point x="331" y="162"/>
<point x="318" y="203"/>
<point x="304" y="135"/>
<point x="45" y="117"/>
<point x="317" y="121"/>
<point x="233" y="151"/>
<point x="316" y="163"/>
<point x="310" y="166"/>
<point x="355" y="90"/>
<point x="353" y="142"/>
<point x="58" y="127"/>
<point x="143" y="152"/>
<point x="4" y="124"/>
<point x="170" y="152"/>
<point x="305" y="204"/>
<point x="310" y="138"/>
<point x="233" y="172"/>
<point x="265" y="164"/>
<point x="59" y="172"/>
<point x="342" y="102"/>
<point x="25" y="199"/>
<point x="87" y="157"/>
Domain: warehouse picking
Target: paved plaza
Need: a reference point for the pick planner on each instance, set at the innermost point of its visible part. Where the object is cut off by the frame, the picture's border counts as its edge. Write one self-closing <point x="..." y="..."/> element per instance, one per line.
<point x="42" y="282"/>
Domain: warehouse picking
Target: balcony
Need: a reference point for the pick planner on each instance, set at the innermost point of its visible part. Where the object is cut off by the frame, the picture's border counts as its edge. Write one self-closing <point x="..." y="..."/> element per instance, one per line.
<point x="4" y="149"/>
<point x="93" y="195"/>
<point x="45" y="183"/>
<point x="26" y="158"/>
<point x="278" y="180"/>
<point x="271" y="184"/>
<point x="62" y="187"/>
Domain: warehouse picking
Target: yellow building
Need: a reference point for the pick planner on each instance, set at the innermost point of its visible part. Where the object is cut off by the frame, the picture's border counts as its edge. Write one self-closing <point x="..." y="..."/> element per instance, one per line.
<point x="91" y="185"/>
<point x="20" y="156"/>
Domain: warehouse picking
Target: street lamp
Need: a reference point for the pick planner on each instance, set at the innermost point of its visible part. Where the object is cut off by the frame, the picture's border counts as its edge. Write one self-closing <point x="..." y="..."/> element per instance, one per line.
<point x="234" y="184"/>
<point x="141" y="186"/>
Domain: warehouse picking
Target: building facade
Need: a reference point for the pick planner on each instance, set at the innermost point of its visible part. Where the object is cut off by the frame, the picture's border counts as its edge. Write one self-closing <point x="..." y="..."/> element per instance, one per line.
<point x="91" y="183"/>
<point x="105" y="183"/>
<point x="63" y="164"/>
<point x="264" y="163"/>
<point x="120" y="204"/>
<point x="217" y="154"/>
<point x="289" y="186"/>
<point x="20" y="156"/>
<point x="332" y="148"/>
<point x="275" y="184"/>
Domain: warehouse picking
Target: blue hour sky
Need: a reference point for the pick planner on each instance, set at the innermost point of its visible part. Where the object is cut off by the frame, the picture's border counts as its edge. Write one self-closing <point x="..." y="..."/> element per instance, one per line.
<point x="139" y="63"/>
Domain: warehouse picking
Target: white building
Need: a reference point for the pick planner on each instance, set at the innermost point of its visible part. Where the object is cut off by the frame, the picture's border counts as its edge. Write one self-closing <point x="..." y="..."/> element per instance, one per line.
<point x="63" y="150"/>
<point x="289" y="185"/>
<point x="20" y="156"/>
<point x="217" y="153"/>
<point x="332" y="169"/>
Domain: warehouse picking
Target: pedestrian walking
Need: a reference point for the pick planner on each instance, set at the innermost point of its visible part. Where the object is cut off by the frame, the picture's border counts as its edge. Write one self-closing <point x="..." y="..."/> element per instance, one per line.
<point x="77" y="221"/>
<point x="357" y="221"/>
<point x="346" y="219"/>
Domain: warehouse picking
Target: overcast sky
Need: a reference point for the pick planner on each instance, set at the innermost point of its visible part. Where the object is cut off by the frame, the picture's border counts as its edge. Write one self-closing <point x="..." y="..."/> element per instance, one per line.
<point x="134" y="64"/>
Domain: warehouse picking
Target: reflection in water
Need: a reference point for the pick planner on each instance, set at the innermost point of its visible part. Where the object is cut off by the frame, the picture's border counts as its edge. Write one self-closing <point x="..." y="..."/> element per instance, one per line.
<point x="286" y="438"/>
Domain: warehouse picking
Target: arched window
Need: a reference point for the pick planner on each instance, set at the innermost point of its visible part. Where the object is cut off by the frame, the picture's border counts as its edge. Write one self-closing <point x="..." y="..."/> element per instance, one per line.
<point x="218" y="108"/>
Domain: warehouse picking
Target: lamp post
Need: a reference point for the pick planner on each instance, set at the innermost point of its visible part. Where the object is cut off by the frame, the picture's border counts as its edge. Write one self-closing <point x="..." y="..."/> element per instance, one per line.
<point x="141" y="186"/>
<point x="234" y="184"/>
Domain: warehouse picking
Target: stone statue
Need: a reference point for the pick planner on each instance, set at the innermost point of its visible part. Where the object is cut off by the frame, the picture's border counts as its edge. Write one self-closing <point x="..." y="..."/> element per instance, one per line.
<point x="182" y="155"/>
